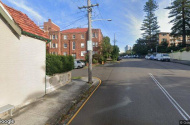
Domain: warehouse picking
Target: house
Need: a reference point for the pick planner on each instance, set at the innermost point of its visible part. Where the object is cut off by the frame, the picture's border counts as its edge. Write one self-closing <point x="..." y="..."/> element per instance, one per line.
<point x="71" y="41"/>
<point x="22" y="58"/>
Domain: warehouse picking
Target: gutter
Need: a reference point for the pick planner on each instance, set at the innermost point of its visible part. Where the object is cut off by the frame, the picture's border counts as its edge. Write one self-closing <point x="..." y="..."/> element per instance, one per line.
<point x="36" y="36"/>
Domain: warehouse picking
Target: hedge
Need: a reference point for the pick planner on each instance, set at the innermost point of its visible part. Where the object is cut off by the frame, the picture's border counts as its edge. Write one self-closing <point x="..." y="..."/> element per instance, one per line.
<point x="58" y="64"/>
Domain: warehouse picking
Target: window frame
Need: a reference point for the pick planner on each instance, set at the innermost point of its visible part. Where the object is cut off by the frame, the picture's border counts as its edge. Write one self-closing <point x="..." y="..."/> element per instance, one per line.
<point x="74" y="36"/>
<point x="73" y="45"/>
<point x="64" y="45"/>
<point x="83" y="45"/>
<point x="64" y="37"/>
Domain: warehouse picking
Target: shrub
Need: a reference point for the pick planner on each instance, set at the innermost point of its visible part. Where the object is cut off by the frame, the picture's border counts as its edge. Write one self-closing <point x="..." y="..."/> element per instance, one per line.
<point x="58" y="64"/>
<point x="94" y="61"/>
<point x="188" y="49"/>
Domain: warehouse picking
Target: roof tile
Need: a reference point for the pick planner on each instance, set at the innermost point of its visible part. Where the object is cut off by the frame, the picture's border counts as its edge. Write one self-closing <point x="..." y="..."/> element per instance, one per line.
<point x="24" y="22"/>
<point x="77" y="30"/>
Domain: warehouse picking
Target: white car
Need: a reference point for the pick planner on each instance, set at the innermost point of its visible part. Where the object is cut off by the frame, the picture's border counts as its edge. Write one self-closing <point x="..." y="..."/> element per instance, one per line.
<point x="78" y="64"/>
<point x="162" y="57"/>
<point x="147" y="57"/>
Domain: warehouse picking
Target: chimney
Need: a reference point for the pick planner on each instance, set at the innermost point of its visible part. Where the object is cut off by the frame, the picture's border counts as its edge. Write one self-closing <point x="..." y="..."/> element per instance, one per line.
<point x="49" y="20"/>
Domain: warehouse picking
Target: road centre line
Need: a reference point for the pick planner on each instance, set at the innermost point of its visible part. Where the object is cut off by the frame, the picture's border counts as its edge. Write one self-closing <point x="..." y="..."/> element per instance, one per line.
<point x="171" y="99"/>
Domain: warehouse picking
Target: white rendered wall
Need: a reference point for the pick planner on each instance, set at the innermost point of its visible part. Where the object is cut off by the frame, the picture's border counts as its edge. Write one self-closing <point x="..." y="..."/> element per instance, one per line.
<point x="181" y="55"/>
<point x="22" y="67"/>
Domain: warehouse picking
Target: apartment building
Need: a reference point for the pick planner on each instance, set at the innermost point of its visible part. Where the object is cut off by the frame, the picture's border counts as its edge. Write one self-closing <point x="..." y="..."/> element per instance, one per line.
<point x="128" y="47"/>
<point x="165" y="37"/>
<point x="71" y="41"/>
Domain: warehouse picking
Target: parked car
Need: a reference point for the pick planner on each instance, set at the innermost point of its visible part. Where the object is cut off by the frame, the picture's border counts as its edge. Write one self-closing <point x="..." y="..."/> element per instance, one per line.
<point x="163" y="57"/>
<point x="78" y="64"/>
<point x="153" y="57"/>
<point x="147" y="57"/>
<point x="119" y="58"/>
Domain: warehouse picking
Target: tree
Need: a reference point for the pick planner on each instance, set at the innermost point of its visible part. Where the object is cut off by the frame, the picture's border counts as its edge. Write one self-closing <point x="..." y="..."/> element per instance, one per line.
<point x="141" y="47"/>
<point x="106" y="48"/>
<point x="128" y="52"/>
<point x="162" y="48"/>
<point x="115" y="52"/>
<point x="150" y="24"/>
<point x="180" y="12"/>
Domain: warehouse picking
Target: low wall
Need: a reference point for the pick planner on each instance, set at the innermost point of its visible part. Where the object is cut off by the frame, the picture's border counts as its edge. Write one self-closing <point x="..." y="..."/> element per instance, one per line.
<point x="56" y="81"/>
<point x="180" y="55"/>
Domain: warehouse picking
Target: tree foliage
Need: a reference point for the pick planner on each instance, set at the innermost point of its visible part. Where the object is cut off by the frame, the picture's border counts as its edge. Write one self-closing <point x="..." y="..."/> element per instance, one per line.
<point x="140" y="47"/>
<point x="180" y="14"/>
<point x="150" y="24"/>
<point x="106" y="48"/>
<point x="115" y="53"/>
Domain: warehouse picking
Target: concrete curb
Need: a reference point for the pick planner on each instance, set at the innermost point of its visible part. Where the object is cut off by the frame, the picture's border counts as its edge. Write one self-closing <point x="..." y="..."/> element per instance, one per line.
<point x="85" y="101"/>
<point x="173" y="61"/>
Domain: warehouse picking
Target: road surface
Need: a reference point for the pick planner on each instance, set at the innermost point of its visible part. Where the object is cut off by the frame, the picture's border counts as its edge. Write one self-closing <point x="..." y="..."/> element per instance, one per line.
<point x="138" y="92"/>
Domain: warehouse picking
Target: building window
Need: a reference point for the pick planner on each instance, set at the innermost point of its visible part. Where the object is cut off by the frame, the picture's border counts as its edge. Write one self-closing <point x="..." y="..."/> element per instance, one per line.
<point x="164" y="40"/>
<point x="96" y="35"/>
<point x="65" y="37"/>
<point x="54" y="53"/>
<point x="96" y="44"/>
<point x="83" y="53"/>
<point x="93" y="44"/>
<point x="53" y="36"/>
<point x="56" y="36"/>
<point x="54" y="45"/>
<point x="93" y="35"/>
<point x="65" y="53"/>
<point x="82" y="45"/>
<point x="164" y="34"/>
<point x="73" y="36"/>
<point x="82" y="36"/>
<point x="74" y="56"/>
<point x="74" y="46"/>
<point x="65" y="45"/>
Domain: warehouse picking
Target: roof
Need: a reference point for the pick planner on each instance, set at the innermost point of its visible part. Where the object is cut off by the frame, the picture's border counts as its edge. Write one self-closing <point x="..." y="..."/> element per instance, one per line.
<point x="164" y="32"/>
<point x="24" y="22"/>
<point x="77" y="30"/>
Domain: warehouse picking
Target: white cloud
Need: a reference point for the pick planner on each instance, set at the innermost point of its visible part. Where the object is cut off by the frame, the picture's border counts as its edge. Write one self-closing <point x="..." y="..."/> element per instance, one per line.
<point x="163" y="20"/>
<point x="32" y="12"/>
<point x="133" y="25"/>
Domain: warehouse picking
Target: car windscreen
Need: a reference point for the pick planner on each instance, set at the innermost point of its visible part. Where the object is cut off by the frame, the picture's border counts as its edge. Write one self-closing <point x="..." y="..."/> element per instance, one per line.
<point x="165" y="55"/>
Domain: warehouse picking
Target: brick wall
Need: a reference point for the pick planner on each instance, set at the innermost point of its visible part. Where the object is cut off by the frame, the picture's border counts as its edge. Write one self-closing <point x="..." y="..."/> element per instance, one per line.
<point x="57" y="44"/>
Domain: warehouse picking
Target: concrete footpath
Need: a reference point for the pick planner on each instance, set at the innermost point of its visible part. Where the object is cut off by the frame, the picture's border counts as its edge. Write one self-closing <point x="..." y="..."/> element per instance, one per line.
<point x="184" y="62"/>
<point x="50" y="108"/>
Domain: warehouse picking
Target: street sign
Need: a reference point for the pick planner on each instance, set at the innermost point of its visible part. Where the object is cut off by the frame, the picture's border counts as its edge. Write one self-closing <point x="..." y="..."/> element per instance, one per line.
<point x="89" y="45"/>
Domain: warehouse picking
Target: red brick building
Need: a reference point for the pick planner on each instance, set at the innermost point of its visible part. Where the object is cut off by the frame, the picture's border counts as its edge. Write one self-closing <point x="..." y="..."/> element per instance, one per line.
<point x="72" y="41"/>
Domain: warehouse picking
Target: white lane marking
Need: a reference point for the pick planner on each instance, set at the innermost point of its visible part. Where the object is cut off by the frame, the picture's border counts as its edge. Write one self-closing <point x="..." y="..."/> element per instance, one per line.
<point x="171" y="99"/>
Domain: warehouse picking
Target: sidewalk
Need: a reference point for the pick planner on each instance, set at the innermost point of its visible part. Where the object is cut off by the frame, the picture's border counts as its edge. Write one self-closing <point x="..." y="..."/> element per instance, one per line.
<point x="50" y="108"/>
<point x="184" y="62"/>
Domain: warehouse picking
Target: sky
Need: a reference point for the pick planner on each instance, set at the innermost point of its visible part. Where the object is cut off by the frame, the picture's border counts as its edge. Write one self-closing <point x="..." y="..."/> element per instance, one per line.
<point x="127" y="16"/>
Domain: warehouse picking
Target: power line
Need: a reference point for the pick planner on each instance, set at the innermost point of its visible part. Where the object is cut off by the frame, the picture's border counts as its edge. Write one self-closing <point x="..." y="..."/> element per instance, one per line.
<point x="102" y="22"/>
<point x="74" y="22"/>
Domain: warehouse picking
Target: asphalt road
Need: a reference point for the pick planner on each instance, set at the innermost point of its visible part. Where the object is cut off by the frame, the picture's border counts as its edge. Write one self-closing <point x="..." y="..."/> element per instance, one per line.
<point x="138" y="92"/>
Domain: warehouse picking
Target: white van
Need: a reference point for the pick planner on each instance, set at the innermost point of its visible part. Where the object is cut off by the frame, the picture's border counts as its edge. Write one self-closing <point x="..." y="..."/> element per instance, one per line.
<point x="162" y="57"/>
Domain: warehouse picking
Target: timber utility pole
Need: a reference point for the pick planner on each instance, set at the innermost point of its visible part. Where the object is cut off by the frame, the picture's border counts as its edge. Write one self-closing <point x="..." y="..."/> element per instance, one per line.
<point x="114" y="39"/>
<point x="89" y="42"/>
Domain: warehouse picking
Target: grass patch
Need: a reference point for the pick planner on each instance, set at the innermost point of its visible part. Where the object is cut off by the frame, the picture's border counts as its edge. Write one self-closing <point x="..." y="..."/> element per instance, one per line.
<point x="75" y="78"/>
